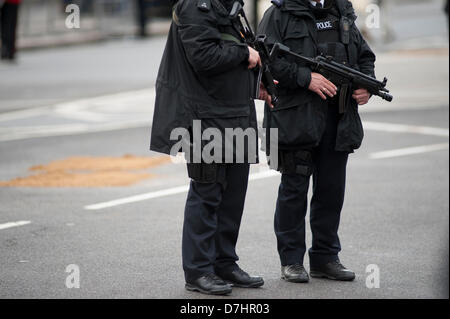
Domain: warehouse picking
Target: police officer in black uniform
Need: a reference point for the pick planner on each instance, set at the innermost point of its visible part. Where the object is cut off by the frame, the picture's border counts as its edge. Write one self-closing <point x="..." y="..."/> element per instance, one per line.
<point x="319" y="127"/>
<point x="207" y="75"/>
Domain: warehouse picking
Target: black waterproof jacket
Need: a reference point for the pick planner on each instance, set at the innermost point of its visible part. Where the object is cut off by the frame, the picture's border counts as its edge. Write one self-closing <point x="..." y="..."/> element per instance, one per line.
<point x="203" y="74"/>
<point x="301" y="114"/>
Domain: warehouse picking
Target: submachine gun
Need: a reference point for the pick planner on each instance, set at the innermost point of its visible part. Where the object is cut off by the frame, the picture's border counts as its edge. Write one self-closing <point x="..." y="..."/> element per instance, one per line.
<point x="258" y="43"/>
<point x="337" y="73"/>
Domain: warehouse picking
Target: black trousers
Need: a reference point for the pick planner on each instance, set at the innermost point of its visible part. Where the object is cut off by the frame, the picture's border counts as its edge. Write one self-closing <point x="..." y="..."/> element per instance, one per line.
<point x="329" y="178"/>
<point x="212" y="220"/>
<point x="8" y="25"/>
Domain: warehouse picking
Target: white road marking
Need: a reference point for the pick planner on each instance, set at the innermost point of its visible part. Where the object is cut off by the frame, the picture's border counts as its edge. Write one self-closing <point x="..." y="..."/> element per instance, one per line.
<point x="67" y="130"/>
<point x="14" y="224"/>
<point x="139" y="198"/>
<point x="131" y="110"/>
<point x="23" y="114"/>
<point x="409" y="151"/>
<point x="257" y="176"/>
<point x="165" y="193"/>
<point x="122" y="99"/>
<point x="75" y="129"/>
<point x="99" y="114"/>
<point x="402" y="128"/>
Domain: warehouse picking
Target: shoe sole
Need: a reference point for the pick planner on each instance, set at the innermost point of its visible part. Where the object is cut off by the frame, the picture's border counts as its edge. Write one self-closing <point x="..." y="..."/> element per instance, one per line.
<point x="224" y="292"/>
<point x="321" y="275"/>
<point x="251" y="286"/>
<point x="295" y="281"/>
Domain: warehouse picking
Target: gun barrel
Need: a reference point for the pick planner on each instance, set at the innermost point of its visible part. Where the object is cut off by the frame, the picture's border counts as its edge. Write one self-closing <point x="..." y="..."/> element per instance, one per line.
<point x="386" y="96"/>
<point x="338" y="67"/>
<point x="328" y="66"/>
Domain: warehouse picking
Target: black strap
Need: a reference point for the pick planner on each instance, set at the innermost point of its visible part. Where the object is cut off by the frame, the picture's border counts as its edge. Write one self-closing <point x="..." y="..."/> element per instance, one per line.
<point x="345" y="38"/>
<point x="230" y="37"/>
<point x="345" y="30"/>
<point x="219" y="8"/>
<point x="268" y="127"/>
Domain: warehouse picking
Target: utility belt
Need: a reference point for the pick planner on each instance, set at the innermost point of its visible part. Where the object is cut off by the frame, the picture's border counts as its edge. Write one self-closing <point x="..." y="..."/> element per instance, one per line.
<point x="296" y="163"/>
<point x="290" y="162"/>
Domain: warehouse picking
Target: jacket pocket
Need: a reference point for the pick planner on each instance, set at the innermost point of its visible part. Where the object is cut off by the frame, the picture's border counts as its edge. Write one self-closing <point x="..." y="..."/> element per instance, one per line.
<point x="298" y="40"/>
<point x="350" y="134"/>
<point x="299" y="126"/>
<point x="292" y="98"/>
<point x="231" y="87"/>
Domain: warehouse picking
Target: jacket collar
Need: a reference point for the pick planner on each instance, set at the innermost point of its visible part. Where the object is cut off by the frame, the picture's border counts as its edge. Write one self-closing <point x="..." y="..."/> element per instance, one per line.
<point x="296" y="7"/>
<point x="345" y="8"/>
<point x="223" y="7"/>
<point x="302" y="8"/>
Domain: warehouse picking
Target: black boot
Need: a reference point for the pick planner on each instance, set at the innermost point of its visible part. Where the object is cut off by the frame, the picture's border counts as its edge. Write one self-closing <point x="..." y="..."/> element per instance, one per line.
<point x="294" y="273"/>
<point x="241" y="279"/>
<point x="334" y="270"/>
<point x="209" y="285"/>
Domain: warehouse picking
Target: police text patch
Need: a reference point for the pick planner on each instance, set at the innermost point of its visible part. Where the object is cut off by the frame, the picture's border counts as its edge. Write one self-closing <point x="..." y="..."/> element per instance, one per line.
<point x="325" y="25"/>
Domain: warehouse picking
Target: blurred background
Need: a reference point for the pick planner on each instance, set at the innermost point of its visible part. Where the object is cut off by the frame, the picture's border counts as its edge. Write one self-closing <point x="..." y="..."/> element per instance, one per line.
<point x="130" y="34"/>
<point x="79" y="186"/>
<point x="41" y="22"/>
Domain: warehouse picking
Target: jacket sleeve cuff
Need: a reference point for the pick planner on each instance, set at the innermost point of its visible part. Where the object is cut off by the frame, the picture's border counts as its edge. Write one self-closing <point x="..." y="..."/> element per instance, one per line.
<point x="304" y="77"/>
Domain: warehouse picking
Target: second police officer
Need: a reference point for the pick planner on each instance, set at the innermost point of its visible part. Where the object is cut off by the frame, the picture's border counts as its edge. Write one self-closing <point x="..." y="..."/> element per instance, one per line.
<point x="319" y="127"/>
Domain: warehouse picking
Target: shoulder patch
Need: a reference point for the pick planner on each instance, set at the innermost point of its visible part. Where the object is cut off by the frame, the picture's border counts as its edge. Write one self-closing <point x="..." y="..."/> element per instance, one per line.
<point x="278" y="3"/>
<point x="204" y="5"/>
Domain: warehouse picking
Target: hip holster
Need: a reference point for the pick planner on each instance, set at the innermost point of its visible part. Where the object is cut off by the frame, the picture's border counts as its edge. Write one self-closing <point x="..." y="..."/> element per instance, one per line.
<point x="296" y="162"/>
<point x="207" y="173"/>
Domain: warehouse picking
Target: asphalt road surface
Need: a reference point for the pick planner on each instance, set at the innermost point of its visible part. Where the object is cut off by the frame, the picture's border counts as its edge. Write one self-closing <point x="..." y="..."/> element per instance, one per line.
<point x="97" y="101"/>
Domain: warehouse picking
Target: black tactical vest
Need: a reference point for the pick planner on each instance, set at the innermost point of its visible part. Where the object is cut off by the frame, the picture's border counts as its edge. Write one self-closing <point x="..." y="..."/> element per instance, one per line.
<point x="328" y="22"/>
<point x="328" y="32"/>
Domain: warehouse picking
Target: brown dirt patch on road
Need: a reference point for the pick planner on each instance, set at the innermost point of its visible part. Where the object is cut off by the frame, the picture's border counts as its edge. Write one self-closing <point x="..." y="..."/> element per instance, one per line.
<point x="90" y="172"/>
